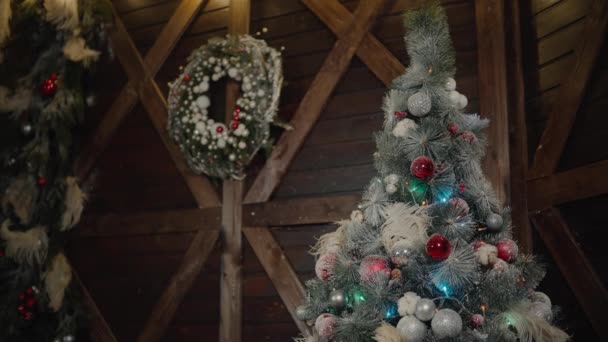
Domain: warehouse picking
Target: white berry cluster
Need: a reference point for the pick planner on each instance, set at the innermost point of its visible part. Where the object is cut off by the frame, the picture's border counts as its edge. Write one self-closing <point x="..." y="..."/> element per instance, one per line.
<point x="223" y="149"/>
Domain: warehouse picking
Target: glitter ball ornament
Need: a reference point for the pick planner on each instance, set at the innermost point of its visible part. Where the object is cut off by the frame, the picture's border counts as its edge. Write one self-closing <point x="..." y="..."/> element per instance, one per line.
<point x="477" y="321"/>
<point x="402" y="251"/>
<point x="49" y="86"/>
<point x="422" y="167"/>
<point x="494" y="222"/>
<point x="372" y="265"/>
<point x="460" y="205"/>
<point x="450" y="84"/>
<point x="438" y="247"/>
<point x="507" y="249"/>
<point x="337" y="298"/>
<point x="411" y="329"/>
<point x="324" y="268"/>
<point x="446" y="323"/>
<point x="425" y="309"/>
<point x="419" y="104"/>
<point x="541" y="310"/>
<point x="326" y="325"/>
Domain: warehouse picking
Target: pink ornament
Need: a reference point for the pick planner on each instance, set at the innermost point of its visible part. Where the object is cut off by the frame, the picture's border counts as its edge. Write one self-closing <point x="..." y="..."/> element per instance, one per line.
<point x="324" y="268"/>
<point x="461" y="205"/>
<point x="371" y="265"/>
<point x="422" y="167"/>
<point x="477" y="321"/>
<point x="507" y="249"/>
<point x="401" y="114"/>
<point x="500" y="265"/>
<point x="326" y="325"/>
<point x="438" y="247"/>
<point x="468" y="136"/>
<point x="453" y="129"/>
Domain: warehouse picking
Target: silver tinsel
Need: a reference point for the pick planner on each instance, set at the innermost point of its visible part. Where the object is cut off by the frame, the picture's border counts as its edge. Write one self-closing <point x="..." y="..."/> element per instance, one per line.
<point x="446" y="323"/>
<point x="425" y="309"/>
<point x="411" y="329"/>
<point x="419" y="104"/>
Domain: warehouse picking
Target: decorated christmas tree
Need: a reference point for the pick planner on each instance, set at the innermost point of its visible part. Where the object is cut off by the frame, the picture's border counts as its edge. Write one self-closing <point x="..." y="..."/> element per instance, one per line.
<point x="47" y="51"/>
<point x="429" y="255"/>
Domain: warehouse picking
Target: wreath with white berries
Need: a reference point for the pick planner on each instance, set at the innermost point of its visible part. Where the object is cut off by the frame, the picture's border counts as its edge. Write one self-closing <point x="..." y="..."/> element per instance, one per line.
<point x="220" y="149"/>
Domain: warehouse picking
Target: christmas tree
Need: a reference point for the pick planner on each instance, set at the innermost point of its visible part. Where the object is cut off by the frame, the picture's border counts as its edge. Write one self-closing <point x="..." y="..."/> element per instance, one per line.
<point x="429" y="256"/>
<point x="47" y="51"/>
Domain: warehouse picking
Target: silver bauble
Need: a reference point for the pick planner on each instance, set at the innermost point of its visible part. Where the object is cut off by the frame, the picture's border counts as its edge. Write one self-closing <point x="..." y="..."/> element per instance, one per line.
<point x="419" y="104"/>
<point x="541" y="310"/>
<point x="302" y="313"/>
<point x="401" y="252"/>
<point x="391" y="179"/>
<point x="494" y="222"/>
<point x="540" y="297"/>
<point x="26" y="129"/>
<point x="68" y="338"/>
<point x="446" y="323"/>
<point x="450" y="84"/>
<point x="462" y="101"/>
<point x="425" y="309"/>
<point x="337" y="298"/>
<point x="411" y="329"/>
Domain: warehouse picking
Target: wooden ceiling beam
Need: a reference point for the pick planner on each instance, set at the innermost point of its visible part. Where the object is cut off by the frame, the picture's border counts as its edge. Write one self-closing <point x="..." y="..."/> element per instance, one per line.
<point x="371" y="51"/>
<point x="568" y="186"/>
<point x="314" y="101"/>
<point x="571" y="92"/>
<point x="179" y="285"/>
<point x="127" y="98"/>
<point x="575" y="267"/>
<point x="284" y="213"/>
<point x="280" y="271"/>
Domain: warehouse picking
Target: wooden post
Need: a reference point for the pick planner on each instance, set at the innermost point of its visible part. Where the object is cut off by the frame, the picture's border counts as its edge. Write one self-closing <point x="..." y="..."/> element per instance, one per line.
<point x="231" y="313"/>
<point x="489" y="16"/>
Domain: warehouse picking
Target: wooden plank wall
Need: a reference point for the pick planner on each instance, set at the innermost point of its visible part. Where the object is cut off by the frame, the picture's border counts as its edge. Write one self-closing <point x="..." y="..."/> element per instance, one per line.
<point x="551" y="31"/>
<point x="126" y="275"/>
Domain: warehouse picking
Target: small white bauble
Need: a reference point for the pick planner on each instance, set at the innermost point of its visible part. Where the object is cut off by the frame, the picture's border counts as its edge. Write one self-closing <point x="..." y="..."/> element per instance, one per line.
<point x="242" y="145"/>
<point x="217" y="69"/>
<point x="411" y="329"/>
<point x="246" y="86"/>
<point x="206" y="78"/>
<point x="407" y="304"/>
<point x="391" y="179"/>
<point x="463" y="101"/>
<point x="200" y="126"/>
<point x="203" y="102"/>
<point x="391" y="188"/>
<point x="246" y="133"/>
<point x="212" y="60"/>
<point x="454" y="97"/>
<point x="196" y="89"/>
<point x="450" y="84"/>
<point x="419" y="104"/>
<point x="231" y="157"/>
<point x="204" y="86"/>
<point x="261" y="92"/>
<point x="215" y="77"/>
<point x="403" y="128"/>
<point x="221" y="143"/>
<point x="233" y="72"/>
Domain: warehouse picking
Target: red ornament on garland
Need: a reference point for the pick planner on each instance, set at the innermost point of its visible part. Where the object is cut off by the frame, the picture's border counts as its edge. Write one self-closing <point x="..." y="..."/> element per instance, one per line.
<point x="453" y="129"/>
<point x="438" y="247"/>
<point x="401" y="114"/>
<point x="237" y="110"/>
<point x="49" y="86"/>
<point x="422" y="167"/>
<point x="507" y="249"/>
<point x="27" y="304"/>
<point x="41" y="181"/>
<point x="186" y="78"/>
<point x="477" y="321"/>
<point x="234" y="125"/>
<point x="371" y="265"/>
<point x="220" y="129"/>
<point x="461" y="188"/>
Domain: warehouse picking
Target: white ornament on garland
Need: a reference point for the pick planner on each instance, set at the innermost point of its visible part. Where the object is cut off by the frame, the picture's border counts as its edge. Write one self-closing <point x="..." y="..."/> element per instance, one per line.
<point x="214" y="148"/>
<point x="407" y="304"/>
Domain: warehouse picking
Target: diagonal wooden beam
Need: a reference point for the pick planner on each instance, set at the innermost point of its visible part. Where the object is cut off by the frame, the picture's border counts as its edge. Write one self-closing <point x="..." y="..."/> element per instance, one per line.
<point x="127" y="98"/>
<point x="574" y="266"/>
<point x="583" y="182"/>
<point x="99" y="330"/>
<point x="571" y="92"/>
<point x="371" y="51"/>
<point x="280" y="271"/>
<point x="180" y="283"/>
<point x="315" y="99"/>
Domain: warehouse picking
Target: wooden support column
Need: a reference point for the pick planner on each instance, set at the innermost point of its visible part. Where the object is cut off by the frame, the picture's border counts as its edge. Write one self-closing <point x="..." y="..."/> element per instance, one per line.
<point x="518" y="131"/>
<point x="574" y="266"/>
<point x="490" y="20"/>
<point x="231" y="311"/>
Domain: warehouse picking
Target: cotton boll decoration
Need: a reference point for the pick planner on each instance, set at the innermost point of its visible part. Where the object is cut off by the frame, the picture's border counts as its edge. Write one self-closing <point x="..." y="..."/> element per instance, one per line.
<point x="446" y="323"/>
<point x="391" y="179"/>
<point x="486" y="254"/>
<point x="419" y="104"/>
<point x="403" y="127"/>
<point x="386" y="333"/>
<point x="404" y="222"/>
<point x="407" y="304"/>
<point x="411" y="329"/>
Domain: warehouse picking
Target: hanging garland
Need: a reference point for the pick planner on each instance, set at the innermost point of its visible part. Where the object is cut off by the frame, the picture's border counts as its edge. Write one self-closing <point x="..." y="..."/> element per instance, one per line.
<point x="47" y="49"/>
<point x="211" y="147"/>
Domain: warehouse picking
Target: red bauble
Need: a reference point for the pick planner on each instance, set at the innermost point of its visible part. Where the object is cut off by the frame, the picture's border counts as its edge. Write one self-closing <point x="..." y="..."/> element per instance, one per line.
<point x="41" y="182"/>
<point x="401" y="114"/>
<point x="460" y="205"/>
<point x="422" y="167"/>
<point x="453" y="129"/>
<point x="236" y="117"/>
<point x="234" y="125"/>
<point x="220" y="129"/>
<point x="48" y="87"/>
<point x="28" y="316"/>
<point x="438" y="247"/>
<point x="507" y="249"/>
<point x="371" y="265"/>
<point x="29" y="291"/>
<point x="477" y="321"/>
<point x="21" y="309"/>
<point x="237" y="110"/>
<point x="186" y="78"/>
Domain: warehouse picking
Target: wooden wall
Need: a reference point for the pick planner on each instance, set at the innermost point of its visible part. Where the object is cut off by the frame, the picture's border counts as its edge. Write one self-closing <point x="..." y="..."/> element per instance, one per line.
<point x="126" y="275"/>
<point x="552" y="29"/>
